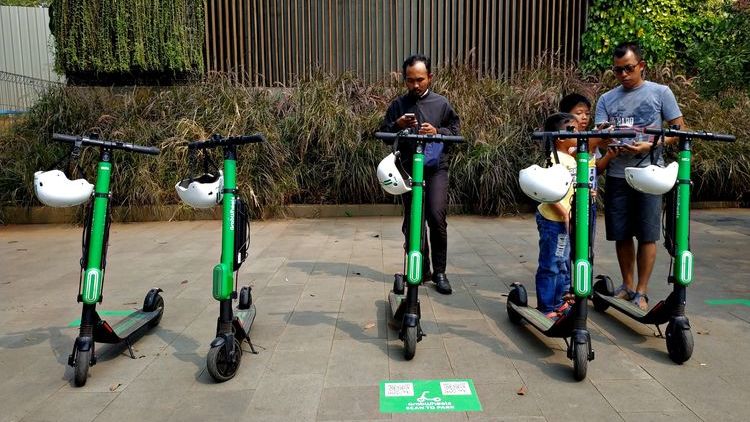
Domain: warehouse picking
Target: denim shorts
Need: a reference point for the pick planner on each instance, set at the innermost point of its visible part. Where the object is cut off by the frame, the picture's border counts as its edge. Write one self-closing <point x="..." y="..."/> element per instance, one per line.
<point x="629" y="213"/>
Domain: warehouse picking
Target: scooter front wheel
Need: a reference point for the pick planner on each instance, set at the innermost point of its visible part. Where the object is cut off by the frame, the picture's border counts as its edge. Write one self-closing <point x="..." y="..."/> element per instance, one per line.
<point x="220" y="366"/>
<point x="679" y="343"/>
<point x="81" y="370"/>
<point x="410" y="342"/>
<point x="580" y="360"/>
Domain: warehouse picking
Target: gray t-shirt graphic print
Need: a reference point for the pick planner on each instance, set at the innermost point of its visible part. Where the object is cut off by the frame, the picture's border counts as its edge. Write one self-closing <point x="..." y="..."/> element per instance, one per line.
<point x="648" y="105"/>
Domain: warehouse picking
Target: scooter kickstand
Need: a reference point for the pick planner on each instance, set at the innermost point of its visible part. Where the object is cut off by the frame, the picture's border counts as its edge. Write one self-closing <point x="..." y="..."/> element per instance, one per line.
<point x="660" y="335"/>
<point x="252" y="349"/>
<point x="130" y="348"/>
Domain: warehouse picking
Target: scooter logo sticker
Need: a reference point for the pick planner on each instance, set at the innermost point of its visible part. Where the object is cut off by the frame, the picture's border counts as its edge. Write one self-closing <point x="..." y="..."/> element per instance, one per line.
<point x="92" y="285"/>
<point x="582" y="277"/>
<point x="414" y="267"/>
<point x="685" y="269"/>
<point x="428" y="396"/>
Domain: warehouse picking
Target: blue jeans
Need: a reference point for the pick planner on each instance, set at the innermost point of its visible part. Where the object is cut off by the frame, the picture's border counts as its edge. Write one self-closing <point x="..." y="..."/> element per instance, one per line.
<point x="553" y="272"/>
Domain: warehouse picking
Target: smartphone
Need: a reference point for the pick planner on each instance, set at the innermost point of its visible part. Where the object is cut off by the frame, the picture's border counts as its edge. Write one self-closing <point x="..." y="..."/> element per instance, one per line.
<point x="410" y="116"/>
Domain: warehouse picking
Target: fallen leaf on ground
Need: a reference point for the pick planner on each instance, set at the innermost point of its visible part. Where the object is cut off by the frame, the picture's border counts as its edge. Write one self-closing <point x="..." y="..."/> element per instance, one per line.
<point x="522" y="391"/>
<point x="114" y="387"/>
<point x="369" y="325"/>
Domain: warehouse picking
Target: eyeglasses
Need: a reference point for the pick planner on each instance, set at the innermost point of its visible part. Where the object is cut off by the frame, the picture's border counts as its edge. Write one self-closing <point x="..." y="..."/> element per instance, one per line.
<point x="628" y="68"/>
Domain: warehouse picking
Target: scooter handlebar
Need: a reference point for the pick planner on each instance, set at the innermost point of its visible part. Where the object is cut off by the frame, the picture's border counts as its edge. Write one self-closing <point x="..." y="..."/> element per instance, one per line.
<point x="427" y="138"/>
<point x="706" y="136"/>
<point x="603" y="134"/>
<point x="218" y="141"/>
<point x="106" y="143"/>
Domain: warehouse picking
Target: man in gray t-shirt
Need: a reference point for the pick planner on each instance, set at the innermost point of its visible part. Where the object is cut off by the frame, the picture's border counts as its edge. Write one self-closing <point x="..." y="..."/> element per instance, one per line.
<point x="635" y="104"/>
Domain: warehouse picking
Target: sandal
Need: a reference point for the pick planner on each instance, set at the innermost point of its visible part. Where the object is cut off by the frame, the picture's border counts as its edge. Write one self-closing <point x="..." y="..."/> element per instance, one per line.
<point x="640" y="300"/>
<point x="624" y="293"/>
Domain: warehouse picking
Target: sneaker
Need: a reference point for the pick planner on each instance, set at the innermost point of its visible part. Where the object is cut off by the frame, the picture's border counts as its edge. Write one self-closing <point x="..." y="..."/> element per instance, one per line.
<point x="624" y="293"/>
<point x="640" y="300"/>
<point x="564" y="308"/>
<point x="552" y="315"/>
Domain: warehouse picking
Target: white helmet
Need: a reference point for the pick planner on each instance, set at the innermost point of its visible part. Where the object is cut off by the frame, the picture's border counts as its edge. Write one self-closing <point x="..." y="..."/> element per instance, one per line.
<point x="652" y="179"/>
<point x="53" y="188"/>
<point x="548" y="184"/>
<point x="392" y="177"/>
<point x="202" y="192"/>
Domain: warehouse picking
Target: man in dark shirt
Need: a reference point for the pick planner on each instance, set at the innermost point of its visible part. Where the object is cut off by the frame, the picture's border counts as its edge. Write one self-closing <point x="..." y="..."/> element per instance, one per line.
<point x="427" y="113"/>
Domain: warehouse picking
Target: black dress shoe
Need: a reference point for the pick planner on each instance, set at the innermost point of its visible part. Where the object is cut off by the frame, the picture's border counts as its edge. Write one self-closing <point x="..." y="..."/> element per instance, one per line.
<point x="442" y="284"/>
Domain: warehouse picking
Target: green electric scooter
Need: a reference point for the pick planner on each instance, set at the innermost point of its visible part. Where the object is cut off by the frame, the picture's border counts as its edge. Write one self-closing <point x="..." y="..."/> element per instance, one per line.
<point x="233" y="326"/>
<point x="677" y="242"/>
<point x="570" y="325"/>
<point x="405" y="307"/>
<point x="93" y="329"/>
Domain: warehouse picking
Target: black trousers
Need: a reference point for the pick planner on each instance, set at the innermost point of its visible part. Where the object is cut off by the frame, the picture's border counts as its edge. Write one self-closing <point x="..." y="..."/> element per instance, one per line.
<point x="435" y="212"/>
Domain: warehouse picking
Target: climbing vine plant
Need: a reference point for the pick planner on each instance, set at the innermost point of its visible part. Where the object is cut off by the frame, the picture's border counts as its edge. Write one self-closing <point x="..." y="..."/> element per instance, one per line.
<point x="128" y="36"/>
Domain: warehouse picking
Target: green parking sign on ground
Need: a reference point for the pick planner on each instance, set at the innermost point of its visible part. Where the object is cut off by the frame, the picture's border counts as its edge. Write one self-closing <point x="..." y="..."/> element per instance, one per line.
<point x="429" y="396"/>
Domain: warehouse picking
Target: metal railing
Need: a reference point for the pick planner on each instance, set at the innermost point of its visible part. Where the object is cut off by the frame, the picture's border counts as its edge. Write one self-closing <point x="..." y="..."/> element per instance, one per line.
<point x="271" y="42"/>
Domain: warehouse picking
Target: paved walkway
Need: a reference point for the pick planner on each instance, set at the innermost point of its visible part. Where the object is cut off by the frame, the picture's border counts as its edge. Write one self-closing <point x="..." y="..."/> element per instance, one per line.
<point x="323" y="335"/>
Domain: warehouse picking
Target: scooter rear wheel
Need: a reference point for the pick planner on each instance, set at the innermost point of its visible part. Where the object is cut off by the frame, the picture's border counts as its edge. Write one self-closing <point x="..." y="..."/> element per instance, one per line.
<point x="605" y="287"/>
<point x="218" y="364"/>
<point x="81" y="369"/>
<point x="518" y="297"/>
<point x="679" y="343"/>
<point x="246" y="298"/>
<point x="158" y="303"/>
<point x="580" y="360"/>
<point x="410" y="342"/>
<point x="398" y="284"/>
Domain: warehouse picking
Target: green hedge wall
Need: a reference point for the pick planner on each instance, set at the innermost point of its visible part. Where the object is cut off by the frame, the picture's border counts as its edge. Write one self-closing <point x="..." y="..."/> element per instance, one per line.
<point x="128" y="36"/>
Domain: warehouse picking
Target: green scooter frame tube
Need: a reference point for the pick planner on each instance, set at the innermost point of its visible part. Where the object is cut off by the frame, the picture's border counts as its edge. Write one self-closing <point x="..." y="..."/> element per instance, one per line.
<point x="222" y="277"/>
<point x="683" y="263"/>
<point x="582" y="266"/>
<point x="91" y="289"/>
<point x="414" y="257"/>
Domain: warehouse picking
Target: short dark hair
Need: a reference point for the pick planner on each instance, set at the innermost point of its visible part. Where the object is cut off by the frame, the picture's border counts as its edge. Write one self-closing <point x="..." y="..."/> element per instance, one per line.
<point x="559" y="121"/>
<point x="413" y="59"/>
<point x="568" y="102"/>
<point x="622" y="49"/>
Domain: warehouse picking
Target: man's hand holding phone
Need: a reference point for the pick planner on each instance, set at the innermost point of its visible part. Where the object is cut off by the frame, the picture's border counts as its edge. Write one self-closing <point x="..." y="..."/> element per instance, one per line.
<point x="407" y="120"/>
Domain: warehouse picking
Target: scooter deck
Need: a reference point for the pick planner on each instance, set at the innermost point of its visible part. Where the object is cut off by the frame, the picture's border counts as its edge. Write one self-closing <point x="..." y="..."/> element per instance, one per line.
<point x="659" y="314"/>
<point x="534" y="317"/>
<point x="560" y="328"/>
<point x="125" y="327"/>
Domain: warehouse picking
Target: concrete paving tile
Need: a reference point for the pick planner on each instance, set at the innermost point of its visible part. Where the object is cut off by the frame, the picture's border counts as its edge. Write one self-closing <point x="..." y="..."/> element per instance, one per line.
<point x="303" y="362"/>
<point x="426" y="364"/>
<point x="501" y="400"/>
<point x="452" y="416"/>
<point x="482" y="359"/>
<point x="458" y="306"/>
<point x="297" y="338"/>
<point x="659" y="416"/>
<point x="201" y="406"/>
<point x="286" y="397"/>
<point x="349" y="403"/>
<point x="357" y="363"/>
<point x="134" y="404"/>
<point x="64" y="406"/>
<point x="638" y="395"/>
